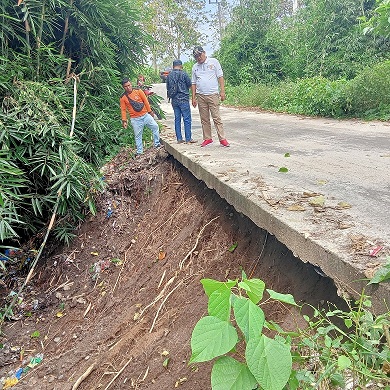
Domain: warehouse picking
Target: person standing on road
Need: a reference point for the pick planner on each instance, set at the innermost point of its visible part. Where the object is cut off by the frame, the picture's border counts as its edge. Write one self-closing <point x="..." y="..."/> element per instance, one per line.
<point x="135" y="102"/>
<point x="140" y="80"/>
<point x="208" y="89"/>
<point x="178" y="85"/>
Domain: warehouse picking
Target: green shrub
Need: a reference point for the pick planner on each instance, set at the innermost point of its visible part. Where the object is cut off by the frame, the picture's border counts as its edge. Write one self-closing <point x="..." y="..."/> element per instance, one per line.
<point x="336" y="348"/>
<point x="368" y="94"/>
<point x="315" y="96"/>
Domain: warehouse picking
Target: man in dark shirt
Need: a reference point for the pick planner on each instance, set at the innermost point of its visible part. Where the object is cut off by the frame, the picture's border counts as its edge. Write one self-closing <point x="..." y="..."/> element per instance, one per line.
<point x="178" y="85"/>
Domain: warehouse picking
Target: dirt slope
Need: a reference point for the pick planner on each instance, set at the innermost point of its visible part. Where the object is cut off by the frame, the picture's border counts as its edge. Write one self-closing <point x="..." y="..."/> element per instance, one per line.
<point x="123" y="299"/>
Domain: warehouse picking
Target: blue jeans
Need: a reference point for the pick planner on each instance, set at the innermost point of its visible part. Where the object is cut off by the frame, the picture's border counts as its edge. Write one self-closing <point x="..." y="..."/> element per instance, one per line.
<point x="182" y="110"/>
<point x="138" y="125"/>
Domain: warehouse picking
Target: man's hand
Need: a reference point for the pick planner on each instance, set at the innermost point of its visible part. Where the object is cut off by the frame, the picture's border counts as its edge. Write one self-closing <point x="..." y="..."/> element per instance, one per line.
<point x="222" y="96"/>
<point x="124" y="124"/>
<point x="194" y="102"/>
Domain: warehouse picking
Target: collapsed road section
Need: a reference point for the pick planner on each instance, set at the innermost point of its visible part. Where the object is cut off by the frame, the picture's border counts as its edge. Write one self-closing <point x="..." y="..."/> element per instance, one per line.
<point x="320" y="186"/>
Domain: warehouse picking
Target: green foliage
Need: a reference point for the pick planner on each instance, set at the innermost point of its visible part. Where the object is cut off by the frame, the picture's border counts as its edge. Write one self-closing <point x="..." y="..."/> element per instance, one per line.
<point x="267" y="361"/>
<point x="316" y="97"/>
<point x="91" y="34"/>
<point x="337" y="347"/>
<point x="175" y="27"/>
<point x="57" y="59"/>
<point x="35" y="137"/>
<point x="382" y="274"/>
<point x="351" y="345"/>
<point x="266" y="42"/>
<point x="379" y="22"/>
<point x="368" y="95"/>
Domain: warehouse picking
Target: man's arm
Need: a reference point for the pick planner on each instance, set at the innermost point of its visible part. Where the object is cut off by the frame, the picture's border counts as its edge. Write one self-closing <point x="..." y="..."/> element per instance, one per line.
<point x="221" y="82"/>
<point x="123" y="113"/>
<point x="193" y="92"/>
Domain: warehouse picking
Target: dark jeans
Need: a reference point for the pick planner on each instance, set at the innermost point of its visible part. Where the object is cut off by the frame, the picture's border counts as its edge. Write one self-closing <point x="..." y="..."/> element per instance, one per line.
<point x="182" y="110"/>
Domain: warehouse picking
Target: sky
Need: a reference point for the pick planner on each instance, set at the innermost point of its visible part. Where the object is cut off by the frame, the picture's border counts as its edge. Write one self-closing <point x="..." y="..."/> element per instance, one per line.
<point x="210" y="44"/>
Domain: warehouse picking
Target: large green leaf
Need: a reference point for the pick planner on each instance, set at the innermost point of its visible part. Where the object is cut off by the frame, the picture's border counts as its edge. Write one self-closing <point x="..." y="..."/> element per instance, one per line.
<point x="382" y="274"/>
<point x="249" y="317"/>
<point x="219" y="303"/>
<point x="269" y="361"/>
<point x="211" y="285"/>
<point x="285" y="298"/>
<point x="210" y="338"/>
<point x="229" y="374"/>
<point x="254" y="289"/>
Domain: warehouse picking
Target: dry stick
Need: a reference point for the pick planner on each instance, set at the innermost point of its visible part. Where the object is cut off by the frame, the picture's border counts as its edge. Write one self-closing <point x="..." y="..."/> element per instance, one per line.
<point x="162" y="304"/>
<point x="120" y="272"/>
<point x="258" y="259"/>
<point x="196" y="243"/>
<point x="159" y="296"/>
<point x="119" y="372"/>
<point x="387" y="333"/>
<point x="162" y="278"/>
<point x="75" y="79"/>
<point x="82" y="377"/>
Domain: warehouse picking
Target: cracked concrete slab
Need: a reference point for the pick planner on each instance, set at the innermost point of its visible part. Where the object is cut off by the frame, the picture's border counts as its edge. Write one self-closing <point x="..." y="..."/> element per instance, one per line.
<point x="330" y="206"/>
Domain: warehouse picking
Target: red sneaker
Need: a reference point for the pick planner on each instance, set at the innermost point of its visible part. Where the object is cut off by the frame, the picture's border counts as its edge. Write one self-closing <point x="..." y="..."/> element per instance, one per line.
<point x="224" y="142"/>
<point x="206" y="142"/>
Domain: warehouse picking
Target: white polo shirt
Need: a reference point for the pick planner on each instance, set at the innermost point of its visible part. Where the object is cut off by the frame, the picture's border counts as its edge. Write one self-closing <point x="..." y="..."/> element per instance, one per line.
<point x="206" y="76"/>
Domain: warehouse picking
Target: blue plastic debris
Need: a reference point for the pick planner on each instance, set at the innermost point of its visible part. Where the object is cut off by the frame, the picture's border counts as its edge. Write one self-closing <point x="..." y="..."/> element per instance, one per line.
<point x="18" y="373"/>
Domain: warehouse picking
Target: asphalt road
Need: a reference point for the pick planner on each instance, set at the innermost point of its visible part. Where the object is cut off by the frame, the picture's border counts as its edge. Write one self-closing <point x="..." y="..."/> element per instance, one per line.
<point x="343" y="166"/>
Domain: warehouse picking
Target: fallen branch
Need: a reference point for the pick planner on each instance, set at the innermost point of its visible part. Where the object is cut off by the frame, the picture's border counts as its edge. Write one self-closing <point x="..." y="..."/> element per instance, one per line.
<point x="119" y="275"/>
<point x="119" y="372"/>
<point x="162" y="278"/>
<point x="162" y="304"/>
<point x="159" y="296"/>
<point x="258" y="259"/>
<point x="83" y="377"/>
<point x="196" y="243"/>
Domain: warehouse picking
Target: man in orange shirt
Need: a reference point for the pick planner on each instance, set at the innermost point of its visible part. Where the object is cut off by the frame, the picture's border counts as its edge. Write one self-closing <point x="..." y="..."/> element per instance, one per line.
<point x="135" y="102"/>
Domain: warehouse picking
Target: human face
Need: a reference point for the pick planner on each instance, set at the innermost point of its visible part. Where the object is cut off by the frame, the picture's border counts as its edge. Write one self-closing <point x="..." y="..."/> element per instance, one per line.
<point x="128" y="87"/>
<point x="200" y="58"/>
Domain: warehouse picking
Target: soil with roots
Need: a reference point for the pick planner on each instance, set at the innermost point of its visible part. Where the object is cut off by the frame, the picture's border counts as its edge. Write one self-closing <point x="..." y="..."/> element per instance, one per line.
<point x="116" y="309"/>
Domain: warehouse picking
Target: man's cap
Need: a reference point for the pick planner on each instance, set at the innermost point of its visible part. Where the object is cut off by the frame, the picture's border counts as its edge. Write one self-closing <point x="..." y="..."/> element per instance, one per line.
<point x="198" y="50"/>
<point x="177" y="63"/>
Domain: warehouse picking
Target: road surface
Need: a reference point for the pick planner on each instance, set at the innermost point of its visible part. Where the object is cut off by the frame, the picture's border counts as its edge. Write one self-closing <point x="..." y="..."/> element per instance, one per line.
<point x="331" y="204"/>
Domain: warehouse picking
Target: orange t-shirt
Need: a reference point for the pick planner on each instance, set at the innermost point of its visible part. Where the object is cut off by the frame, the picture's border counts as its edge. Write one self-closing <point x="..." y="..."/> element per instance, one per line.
<point x="139" y="96"/>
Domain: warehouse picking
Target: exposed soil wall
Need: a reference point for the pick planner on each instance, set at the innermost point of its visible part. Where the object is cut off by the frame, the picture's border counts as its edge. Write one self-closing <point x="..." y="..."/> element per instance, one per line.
<point x="126" y="295"/>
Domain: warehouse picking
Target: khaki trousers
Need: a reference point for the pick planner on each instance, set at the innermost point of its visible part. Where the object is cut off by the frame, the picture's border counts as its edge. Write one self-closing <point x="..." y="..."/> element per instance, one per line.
<point x="209" y="104"/>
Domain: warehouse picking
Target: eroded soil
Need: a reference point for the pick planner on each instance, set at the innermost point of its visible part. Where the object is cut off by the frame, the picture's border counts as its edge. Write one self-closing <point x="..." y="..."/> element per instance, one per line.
<point x="120" y="303"/>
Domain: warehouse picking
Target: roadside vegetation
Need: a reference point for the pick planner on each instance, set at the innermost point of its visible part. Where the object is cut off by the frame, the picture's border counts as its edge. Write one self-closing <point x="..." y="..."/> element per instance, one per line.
<point x="367" y="96"/>
<point x="339" y="349"/>
<point x="324" y="59"/>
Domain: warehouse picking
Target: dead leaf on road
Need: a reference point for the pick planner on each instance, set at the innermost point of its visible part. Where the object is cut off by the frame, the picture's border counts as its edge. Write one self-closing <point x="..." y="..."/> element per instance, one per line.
<point x="307" y="194"/>
<point x="344" y="225"/>
<point x="318" y="201"/>
<point x="344" y="205"/>
<point x="296" y="207"/>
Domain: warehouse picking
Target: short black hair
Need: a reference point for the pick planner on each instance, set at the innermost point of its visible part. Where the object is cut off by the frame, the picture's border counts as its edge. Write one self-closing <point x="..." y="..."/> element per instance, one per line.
<point x="125" y="80"/>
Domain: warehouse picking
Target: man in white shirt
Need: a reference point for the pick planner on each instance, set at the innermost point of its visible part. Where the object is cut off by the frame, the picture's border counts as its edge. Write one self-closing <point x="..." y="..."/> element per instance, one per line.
<point x="208" y="89"/>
